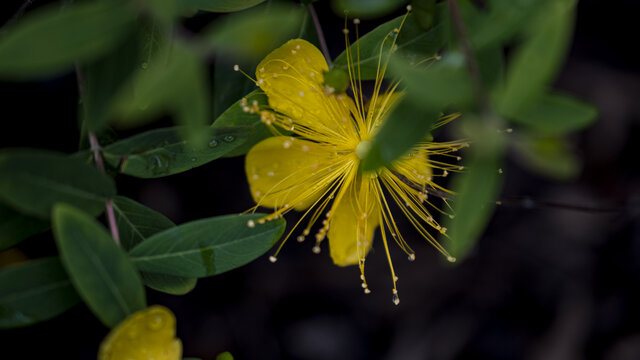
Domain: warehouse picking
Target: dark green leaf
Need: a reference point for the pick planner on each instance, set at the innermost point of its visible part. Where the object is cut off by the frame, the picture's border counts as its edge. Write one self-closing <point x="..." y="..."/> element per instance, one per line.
<point x="137" y="222"/>
<point x="32" y="181"/>
<point x="220" y="5"/>
<point x="229" y="86"/>
<point x="477" y="189"/>
<point x="548" y="156"/>
<point x="162" y="152"/>
<point x="236" y="116"/>
<point x="34" y="291"/>
<point x="99" y="269"/>
<point x="413" y="44"/>
<point x="425" y="12"/>
<point x="365" y="9"/>
<point x="224" y="356"/>
<point x="336" y="79"/>
<point x="174" y="285"/>
<point x="15" y="227"/>
<point x="536" y="61"/>
<point x="556" y="114"/>
<point x="51" y="40"/>
<point x="253" y="34"/>
<point x="207" y="247"/>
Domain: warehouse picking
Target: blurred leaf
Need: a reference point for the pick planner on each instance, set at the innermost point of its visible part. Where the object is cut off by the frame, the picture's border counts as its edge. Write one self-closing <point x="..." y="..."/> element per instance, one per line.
<point x="177" y="86"/>
<point x="308" y="29"/>
<point x="491" y="65"/>
<point x="406" y="125"/>
<point x="413" y="45"/>
<point x="557" y="114"/>
<point x="136" y="223"/>
<point x="34" y="291"/>
<point x="220" y="5"/>
<point x="229" y="86"/>
<point x="337" y="79"/>
<point x="100" y="271"/>
<point x="548" y="156"/>
<point x="51" y="40"/>
<point x="162" y="152"/>
<point x="365" y="9"/>
<point x="103" y="78"/>
<point x="536" y="62"/>
<point x="32" y="181"/>
<point x="425" y="12"/>
<point x="174" y="285"/>
<point x="224" y="356"/>
<point x="253" y="34"/>
<point x="15" y="227"/>
<point x="207" y="247"/>
<point x="477" y="189"/>
<point x="236" y="116"/>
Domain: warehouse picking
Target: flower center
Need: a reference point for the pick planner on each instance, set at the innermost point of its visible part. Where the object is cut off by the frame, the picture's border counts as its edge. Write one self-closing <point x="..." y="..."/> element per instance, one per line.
<point x="363" y="149"/>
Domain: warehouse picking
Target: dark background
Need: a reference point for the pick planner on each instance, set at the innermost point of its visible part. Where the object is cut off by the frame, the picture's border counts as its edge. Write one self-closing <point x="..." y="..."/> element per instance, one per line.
<point x="543" y="283"/>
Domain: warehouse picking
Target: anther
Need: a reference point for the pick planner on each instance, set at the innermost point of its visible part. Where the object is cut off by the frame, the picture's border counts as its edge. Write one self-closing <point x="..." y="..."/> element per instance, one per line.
<point x="251" y="223"/>
<point x="300" y="238"/>
<point x="316" y="249"/>
<point x="273" y="258"/>
<point x="409" y="8"/>
<point x="236" y="67"/>
<point x="261" y="221"/>
<point x="364" y="285"/>
<point x="451" y="259"/>
<point x="412" y="257"/>
<point x="356" y="21"/>
<point x="367" y="291"/>
<point x="345" y="31"/>
<point x="500" y="171"/>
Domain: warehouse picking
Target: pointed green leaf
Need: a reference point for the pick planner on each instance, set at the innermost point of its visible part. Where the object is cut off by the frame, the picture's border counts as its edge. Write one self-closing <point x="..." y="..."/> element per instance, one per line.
<point x="207" y="247"/>
<point x="174" y="285"/>
<point x="365" y="9"/>
<point x="34" y="291"/>
<point x="32" y="181"/>
<point x="15" y="227"/>
<point x="51" y="39"/>
<point x="162" y="152"/>
<point x="556" y="114"/>
<point x="236" y="116"/>
<point x="548" y="156"/>
<point x="99" y="269"/>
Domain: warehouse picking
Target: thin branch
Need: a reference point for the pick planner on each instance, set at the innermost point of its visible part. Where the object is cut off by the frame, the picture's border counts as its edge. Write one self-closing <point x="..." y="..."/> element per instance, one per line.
<point x="528" y="203"/>
<point x="18" y="14"/>
<point x="99" y="160"/>
<point x="323" y="43"/>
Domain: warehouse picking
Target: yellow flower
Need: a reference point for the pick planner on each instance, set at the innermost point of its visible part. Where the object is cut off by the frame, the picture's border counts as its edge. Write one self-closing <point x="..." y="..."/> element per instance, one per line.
<point x="146" y="334"/>
<point x="315" y="168"/>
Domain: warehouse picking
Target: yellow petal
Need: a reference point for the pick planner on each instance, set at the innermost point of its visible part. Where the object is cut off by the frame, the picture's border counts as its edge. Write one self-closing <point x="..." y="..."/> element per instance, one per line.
<point x="283" y="170"/>
<point x="354" y="220"/>
<point x="146" y="334"/>
<point x="292" y="78"/>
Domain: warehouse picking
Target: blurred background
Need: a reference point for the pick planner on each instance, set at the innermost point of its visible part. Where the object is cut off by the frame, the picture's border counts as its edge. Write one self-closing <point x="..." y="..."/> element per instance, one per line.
<point x="544" y="282"/>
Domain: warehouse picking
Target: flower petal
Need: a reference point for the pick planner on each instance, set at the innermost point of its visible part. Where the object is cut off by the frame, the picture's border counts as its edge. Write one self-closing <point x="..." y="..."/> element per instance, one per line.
<point x="292" y="78"/>
<point x="146" y="334"/>
<point x="284" y="170"/>
<point x="354" y="219"/>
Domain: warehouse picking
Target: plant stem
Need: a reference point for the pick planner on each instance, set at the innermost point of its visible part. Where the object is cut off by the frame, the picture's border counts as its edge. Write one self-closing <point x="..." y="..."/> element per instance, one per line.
<point x="97" y="156"/>
<point x="323" y="43"/>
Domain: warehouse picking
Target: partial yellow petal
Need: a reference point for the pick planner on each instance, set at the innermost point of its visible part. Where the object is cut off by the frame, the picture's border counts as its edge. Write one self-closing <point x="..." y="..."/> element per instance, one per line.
<point x="292" y="78"/>
<point x="146" y="334"/>
<point x="284" y="170"/>
<point x="353" y="222"/>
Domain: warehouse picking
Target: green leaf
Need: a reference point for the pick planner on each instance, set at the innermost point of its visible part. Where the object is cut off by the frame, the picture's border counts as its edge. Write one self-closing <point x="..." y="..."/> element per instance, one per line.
<point x="32" y="181"/>
<point x="536" y="62"/>
<point x="229" y="86"/>
<point x="15" y="227"/>
<point x="413" y="45"/>
<point x="177" y="86"/>
<point x="253" y="34"/>
<point x="551" y="157"/>
<point x="174" y="285"/>
<point x="406" y="125"/>
<point x="556" y="114"/>
<point x="221" y="6"/>
<point x="224" y="356"/>
<point x="425" y="12"/>
<point x="100" y="271"/>
<point x="51" y="39"/>
<point x="477" y="189"/>
<point x="365" y="9"/>
<point x="137" y="222"/>
<point x="34" y="291"/>
<point x="207" y="247"/>
<point x="162" y="152"/>
<point x="236" y="116"/>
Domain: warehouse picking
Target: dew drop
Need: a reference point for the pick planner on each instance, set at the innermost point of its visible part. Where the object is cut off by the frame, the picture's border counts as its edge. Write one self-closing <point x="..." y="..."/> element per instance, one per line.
<point x="144" y="65"/>
<point x="158" y="164"/>
<point x="213" y="143"/>
<point x="155" y="323"/>
<point x="229" y="138"/>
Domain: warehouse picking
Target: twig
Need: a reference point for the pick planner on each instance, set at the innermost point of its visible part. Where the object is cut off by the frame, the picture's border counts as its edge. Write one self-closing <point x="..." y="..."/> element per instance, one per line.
<point x="97" y="157"/>
<point x="323" y="43"/>
<point x="528" y="203"/>
<point x="18" y="13"/>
